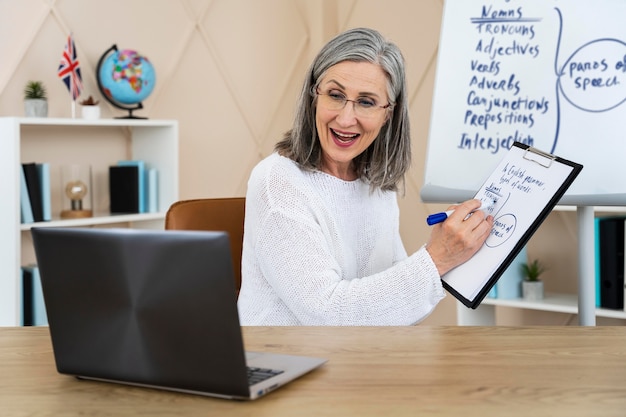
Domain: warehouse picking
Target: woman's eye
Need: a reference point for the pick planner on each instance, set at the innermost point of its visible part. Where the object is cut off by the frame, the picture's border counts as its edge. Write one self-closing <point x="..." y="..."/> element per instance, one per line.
<point x="336" y="96"/>
<point x="366" y="102"/>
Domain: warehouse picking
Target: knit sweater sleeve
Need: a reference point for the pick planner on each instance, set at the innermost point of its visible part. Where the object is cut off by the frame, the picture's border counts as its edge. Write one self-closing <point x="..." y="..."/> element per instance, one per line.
<point x="292" y="270"/>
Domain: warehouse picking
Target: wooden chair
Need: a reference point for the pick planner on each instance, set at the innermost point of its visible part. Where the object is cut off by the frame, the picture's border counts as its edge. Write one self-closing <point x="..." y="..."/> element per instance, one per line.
<point x="212" y="214"/>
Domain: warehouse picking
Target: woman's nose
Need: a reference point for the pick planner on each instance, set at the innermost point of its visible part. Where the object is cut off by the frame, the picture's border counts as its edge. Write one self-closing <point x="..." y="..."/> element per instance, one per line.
<point x="347" y="115"/>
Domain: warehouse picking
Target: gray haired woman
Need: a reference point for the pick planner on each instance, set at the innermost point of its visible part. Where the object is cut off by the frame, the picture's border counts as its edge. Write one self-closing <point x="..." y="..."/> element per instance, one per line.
<point x="322" y="244"/>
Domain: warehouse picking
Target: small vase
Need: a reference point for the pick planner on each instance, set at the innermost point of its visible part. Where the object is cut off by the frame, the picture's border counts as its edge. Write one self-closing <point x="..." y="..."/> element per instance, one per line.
<point x="532" y="290"/>
<point x="36" y="107"/>
<point x="90" y="112"/>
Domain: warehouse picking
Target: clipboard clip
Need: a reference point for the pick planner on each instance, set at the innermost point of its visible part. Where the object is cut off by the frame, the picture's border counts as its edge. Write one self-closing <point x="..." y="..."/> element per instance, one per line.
<point x="540" y="157"/>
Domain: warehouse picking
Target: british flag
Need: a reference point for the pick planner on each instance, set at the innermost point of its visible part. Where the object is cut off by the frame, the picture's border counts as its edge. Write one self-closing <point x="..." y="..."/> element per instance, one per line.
<point x="69" y="69"/>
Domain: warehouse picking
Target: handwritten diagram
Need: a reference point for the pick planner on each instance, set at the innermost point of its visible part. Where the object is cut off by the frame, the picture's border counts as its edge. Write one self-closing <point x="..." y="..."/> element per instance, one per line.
<point x="547" y="73"/>
<point x="593" y="78"/>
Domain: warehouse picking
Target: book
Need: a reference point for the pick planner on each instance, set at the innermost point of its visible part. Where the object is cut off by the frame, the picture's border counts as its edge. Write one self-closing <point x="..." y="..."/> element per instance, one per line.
<point x="612" y="263"/>
<point x="624" y="266"/>
<point x="153" y="190"/>
<point x="124" y="189"/>
<point x="34" y="189"/>
<point x="26" y="211"/>
<point x="34" y="307"/>
<point x="27" y="297"/>
<point x="596" y="231"/>
<point x="43" y="169"/>
<point x="141" y="182"/>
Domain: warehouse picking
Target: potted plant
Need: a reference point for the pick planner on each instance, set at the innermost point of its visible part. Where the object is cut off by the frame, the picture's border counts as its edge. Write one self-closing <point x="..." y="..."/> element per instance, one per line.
<point x="90" y="109"/>
<point x="35" y="99"/>
<point x="532" y="286"/>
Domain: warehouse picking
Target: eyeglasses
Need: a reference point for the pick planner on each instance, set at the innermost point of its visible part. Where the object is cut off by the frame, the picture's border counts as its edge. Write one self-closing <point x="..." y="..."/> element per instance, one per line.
<point x="335" y="100"/>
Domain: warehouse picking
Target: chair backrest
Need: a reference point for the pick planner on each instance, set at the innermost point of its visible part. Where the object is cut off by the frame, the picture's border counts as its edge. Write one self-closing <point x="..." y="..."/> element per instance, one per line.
<point x="212" y="214"/>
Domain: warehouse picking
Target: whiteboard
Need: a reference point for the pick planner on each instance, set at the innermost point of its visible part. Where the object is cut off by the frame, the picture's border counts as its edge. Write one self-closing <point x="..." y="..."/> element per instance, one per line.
<point x="547" y="73"/>
<point x="523" y="188"/>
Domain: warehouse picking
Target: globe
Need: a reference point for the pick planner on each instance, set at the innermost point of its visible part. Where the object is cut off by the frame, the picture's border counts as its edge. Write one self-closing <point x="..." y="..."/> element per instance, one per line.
<point x="125" y="78"/>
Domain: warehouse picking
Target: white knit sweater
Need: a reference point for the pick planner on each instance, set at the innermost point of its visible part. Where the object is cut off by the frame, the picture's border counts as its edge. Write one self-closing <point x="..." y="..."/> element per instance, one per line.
<point x="318" y="250"/>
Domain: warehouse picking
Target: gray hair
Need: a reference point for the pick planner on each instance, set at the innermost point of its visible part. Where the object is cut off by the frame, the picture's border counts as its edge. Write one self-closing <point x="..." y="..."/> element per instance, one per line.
<point x="387" y="159"/>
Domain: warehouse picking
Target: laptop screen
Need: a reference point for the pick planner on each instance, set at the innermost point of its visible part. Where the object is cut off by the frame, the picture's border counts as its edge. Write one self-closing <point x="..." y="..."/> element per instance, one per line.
<point x="150" y="307"/>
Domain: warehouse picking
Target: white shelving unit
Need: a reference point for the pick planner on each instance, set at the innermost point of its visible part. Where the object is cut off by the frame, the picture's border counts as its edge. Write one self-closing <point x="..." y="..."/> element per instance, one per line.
<point x="582" y="304"/>
<point x="485" y="315"/>
<point x="100" y="143"/>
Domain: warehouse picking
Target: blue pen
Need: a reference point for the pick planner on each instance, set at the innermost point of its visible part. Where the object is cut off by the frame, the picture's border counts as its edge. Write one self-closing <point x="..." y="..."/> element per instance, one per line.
<point x="439" y="217"/>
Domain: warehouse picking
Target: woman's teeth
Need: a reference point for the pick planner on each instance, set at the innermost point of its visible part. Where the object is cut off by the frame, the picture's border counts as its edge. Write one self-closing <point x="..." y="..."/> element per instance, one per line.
<point x="345" y="138"/>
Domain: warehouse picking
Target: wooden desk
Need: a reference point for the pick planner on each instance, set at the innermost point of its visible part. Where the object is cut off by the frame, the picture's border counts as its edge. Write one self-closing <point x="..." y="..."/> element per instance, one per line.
<point x="372" y="371"/>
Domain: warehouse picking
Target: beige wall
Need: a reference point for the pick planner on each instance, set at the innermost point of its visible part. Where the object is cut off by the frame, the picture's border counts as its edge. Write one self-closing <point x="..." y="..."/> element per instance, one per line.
<point x="230" y="71"/>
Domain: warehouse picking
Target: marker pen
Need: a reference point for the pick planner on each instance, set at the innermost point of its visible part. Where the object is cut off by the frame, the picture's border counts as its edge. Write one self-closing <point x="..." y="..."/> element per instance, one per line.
<point x="439" y="217"/>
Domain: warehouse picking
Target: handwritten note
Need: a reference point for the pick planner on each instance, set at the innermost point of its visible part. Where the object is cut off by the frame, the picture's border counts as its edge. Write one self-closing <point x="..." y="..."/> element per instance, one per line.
<point x="525" y="187"/>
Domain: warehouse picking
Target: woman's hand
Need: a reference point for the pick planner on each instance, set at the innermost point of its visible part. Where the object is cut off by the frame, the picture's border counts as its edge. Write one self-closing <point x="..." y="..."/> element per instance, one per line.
<point x="459" y="237"/>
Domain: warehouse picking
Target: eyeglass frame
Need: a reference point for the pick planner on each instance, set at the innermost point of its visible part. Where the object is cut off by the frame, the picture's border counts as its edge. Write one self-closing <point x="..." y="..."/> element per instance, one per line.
<point x="315" y="91"/>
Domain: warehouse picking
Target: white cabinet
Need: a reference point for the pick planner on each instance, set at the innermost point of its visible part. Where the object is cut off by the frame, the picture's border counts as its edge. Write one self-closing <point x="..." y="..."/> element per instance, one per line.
<point x="99" y="143"/>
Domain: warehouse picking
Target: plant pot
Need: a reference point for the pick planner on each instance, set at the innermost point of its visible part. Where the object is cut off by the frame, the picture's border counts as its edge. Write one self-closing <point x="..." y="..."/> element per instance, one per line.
<point x="90" y="112"/>
<point x="532" y="290"/>
<point x="36" y="107"/>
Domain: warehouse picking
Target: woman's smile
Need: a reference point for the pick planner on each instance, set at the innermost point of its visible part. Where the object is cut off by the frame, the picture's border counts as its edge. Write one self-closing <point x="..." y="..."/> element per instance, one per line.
<point x="344" y="138"/>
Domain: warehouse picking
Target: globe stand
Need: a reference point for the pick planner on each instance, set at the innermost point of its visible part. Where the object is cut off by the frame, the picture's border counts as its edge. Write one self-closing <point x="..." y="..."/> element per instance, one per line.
<point x="107" y="94"/>
<point x="138" y="106"/>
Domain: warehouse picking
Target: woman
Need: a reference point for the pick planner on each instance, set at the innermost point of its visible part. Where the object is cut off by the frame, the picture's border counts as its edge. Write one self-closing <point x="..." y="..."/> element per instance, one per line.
<point x="322" y="243"/>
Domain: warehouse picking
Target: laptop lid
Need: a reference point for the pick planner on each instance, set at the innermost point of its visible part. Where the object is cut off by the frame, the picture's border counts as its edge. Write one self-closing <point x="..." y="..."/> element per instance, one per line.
<point x="146" y="307"/>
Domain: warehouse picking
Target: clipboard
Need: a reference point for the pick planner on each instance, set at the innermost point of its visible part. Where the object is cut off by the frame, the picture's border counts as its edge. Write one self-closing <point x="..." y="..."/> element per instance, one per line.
<point x="523" y="190"/>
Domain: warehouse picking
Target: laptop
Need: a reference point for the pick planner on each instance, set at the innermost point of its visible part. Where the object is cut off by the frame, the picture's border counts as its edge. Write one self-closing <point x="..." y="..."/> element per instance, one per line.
<point x="152" y="308"/>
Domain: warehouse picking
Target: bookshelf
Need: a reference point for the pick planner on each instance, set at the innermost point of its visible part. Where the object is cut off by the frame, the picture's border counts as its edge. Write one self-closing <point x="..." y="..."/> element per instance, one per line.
<point x="582" y="303"/>
<point x="59" y="141"/>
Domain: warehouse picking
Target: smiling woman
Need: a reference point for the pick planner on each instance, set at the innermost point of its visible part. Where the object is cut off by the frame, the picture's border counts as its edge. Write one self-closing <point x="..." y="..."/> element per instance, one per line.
<point x="347" y="131"/>
<point x="321" y="241"/>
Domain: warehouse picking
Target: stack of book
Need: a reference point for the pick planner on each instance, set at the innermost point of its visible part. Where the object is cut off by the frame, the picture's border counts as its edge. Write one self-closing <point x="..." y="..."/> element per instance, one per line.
<point x="35" y="192"/>
<point x="133" y="187"/>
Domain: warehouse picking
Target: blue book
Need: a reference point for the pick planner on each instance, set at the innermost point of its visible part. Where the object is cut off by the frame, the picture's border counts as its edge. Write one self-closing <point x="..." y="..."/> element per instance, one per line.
<point x="153" y="191"/>
<point x="43" y="170"/>
<point x="509" y="285"/>
<point x="40" y="318"/>
<point x="26" y="211"/>
<point x="142" y="178"/>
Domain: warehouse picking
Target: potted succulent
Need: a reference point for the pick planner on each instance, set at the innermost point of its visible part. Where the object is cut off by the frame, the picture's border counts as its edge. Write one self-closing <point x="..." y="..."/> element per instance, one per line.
<point x="532" y="286"/>
<point x="35" y="99"/>
<point x="90" y="109"/>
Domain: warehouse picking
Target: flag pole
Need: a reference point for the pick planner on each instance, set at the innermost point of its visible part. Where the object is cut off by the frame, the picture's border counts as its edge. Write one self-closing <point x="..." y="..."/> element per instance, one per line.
<point x="69" y="72"/>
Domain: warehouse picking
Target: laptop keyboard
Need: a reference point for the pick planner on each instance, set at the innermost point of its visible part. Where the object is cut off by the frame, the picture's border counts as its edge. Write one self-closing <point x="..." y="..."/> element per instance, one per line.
<point x="256" y="375"/>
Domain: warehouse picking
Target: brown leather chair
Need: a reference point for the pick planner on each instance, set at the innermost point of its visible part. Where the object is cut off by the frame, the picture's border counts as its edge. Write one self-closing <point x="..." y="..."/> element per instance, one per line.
<point x="212" y="214"/>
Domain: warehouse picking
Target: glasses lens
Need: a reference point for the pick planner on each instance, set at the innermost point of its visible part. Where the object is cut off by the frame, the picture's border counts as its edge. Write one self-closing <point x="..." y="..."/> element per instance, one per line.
<point x="334" y="101"/>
